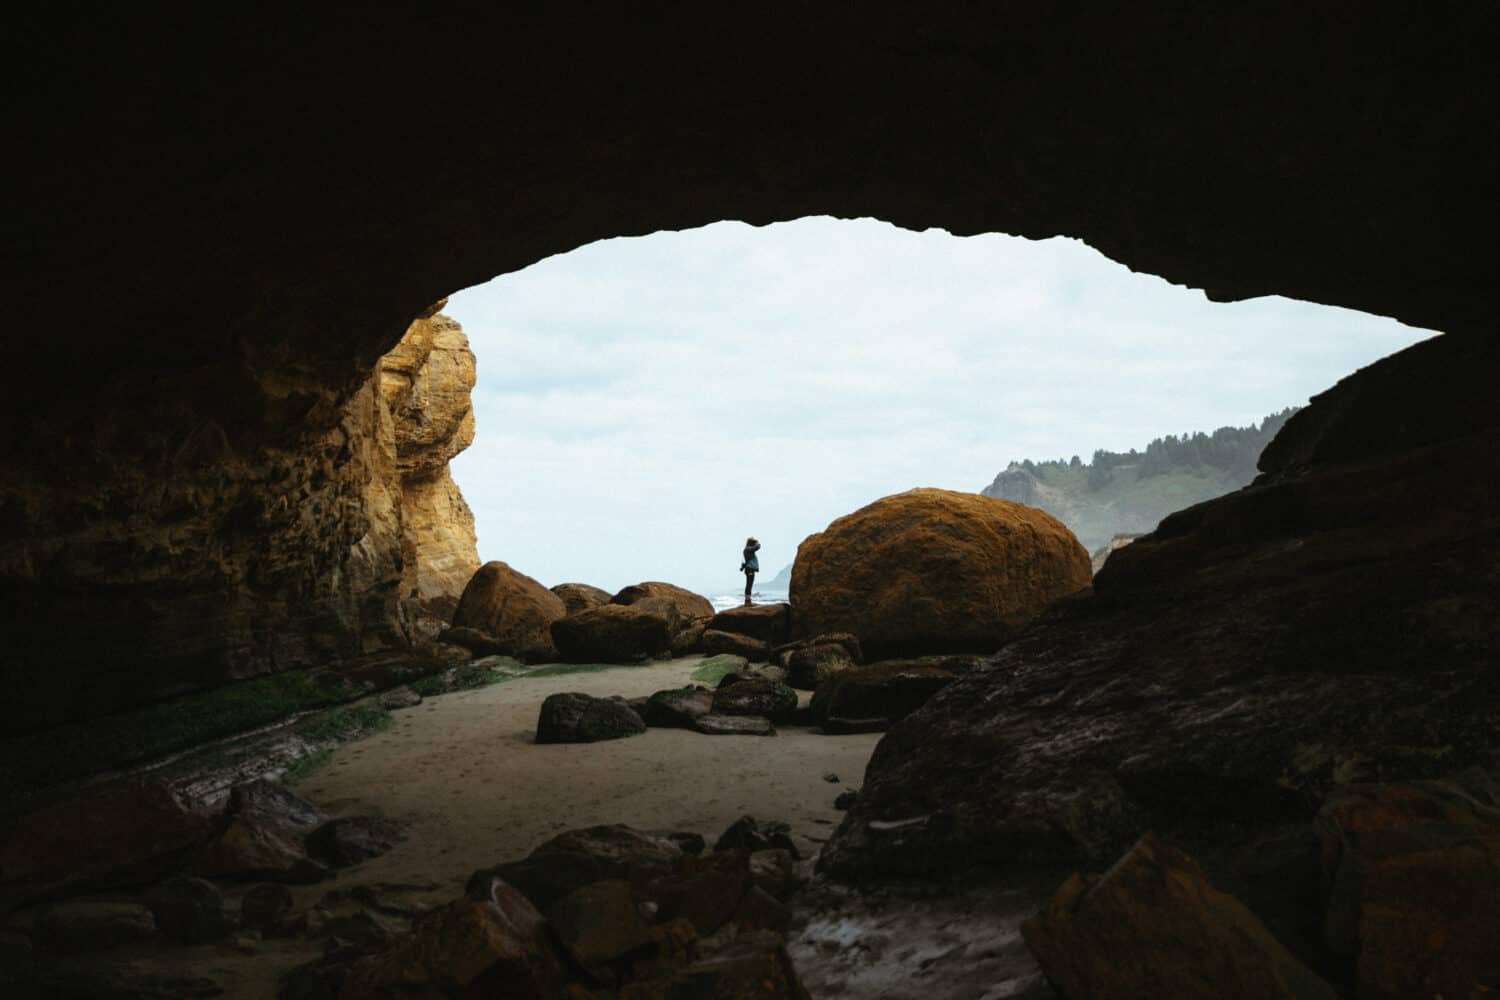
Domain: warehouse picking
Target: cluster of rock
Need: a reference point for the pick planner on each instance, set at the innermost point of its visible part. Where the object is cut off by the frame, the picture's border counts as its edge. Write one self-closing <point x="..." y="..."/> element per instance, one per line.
<point x="606" y="910"/>
<point x="1398" y="896"/>
<point x="164" y="873"/>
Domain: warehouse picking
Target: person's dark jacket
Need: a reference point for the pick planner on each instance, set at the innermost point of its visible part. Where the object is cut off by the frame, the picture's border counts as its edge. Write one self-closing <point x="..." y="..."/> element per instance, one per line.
<point x="751" y="563"/>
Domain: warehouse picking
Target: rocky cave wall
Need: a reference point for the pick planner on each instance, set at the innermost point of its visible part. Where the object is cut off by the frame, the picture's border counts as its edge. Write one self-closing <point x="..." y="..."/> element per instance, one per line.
<point x="229" y="221"/>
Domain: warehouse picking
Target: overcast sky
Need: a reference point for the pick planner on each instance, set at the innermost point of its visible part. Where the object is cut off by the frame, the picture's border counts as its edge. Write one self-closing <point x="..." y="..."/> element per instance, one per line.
<point x="644" y="404"/>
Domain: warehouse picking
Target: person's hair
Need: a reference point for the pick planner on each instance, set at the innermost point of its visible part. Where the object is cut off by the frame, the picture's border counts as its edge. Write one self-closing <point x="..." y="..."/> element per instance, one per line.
<point x="750" y="539"/>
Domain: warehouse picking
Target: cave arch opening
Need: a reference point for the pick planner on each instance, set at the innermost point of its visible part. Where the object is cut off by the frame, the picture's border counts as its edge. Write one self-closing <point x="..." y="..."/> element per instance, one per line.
<point x="644" y="403"/>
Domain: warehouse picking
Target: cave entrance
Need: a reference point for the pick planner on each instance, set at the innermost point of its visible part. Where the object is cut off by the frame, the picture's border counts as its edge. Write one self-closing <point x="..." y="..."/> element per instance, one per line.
<point x="643" y="404"/>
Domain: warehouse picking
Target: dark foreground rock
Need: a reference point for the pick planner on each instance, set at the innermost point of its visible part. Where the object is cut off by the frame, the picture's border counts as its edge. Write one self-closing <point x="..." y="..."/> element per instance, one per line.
<point x="1414" y="872"/>
<point x="756" y="696"/>
<point x="1326" y="625"/>
<point x="580" y="718"/>
<point x="875" y="697"/>
<point x="262" y="837"/>
<point x="350" y="840"/>
<point x="613" y="633"/>
<point x="1154" y="926"/>
<point x="189" y="910"/>
<point x="86" y="925"/>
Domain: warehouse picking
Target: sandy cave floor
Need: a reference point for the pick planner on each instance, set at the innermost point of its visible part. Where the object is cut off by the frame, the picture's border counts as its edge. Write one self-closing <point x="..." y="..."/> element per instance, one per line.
<point x="462" y="774"/>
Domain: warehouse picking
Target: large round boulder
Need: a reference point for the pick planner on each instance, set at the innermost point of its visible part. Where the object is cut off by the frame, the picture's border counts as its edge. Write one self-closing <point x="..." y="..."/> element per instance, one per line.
<point x="513" y="609"/>
<point x="688" y="605"/>
<point x="580" y="596"/>
<point x="613" y="633"/>
<point x="930" y="571"/>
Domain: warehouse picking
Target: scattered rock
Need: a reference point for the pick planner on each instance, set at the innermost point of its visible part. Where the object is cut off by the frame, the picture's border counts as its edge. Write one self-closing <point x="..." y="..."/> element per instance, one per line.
<point x="831" y="778"/>
<point x="756" y="696"/>
<point x="734" y="725"/>
<point x="599" y="923"/>
<point x="398" y="698"/>
<point x="873" y="698"/>
<point x="714" y="642"/>
<point x="514" y="609"/>
<point x="189" y="910"/>
<point x="496" y="946"/>
<point x="705" y="891"/>
<point x="577" y="858"/>
<point x="1154" y="926"/>
<point x="1414" y="871"/>
<point x="340" y="843"/>
<point x="813" y="664"/>
<point x="579" y="718"/>
<point x="775" y="871"/>
<point x="265" y="906"/>
<point x="678" y="708"/>
<point x="688" y="842"/>
<point x="578" y="597"/>
<point x="687" y="605"/>
<point x="323" y="978"/>
<point x="847" y="640"/>
<point x="612" y="633"/>
<point x="767" y="623"/>
<point x="846" y="800"/>
<point x="277" y="803"/>
<point x="751" y="965"/>
<point x="747" y="834"/>
<point x="477" y="642"/>
<point x="84" y="925"/>
<point x="759" y="910"/>
<point x="264" y="837"/>
<point x="58" y="848"/>
<point x="363" y="929"/>
<point x="688" y="639"/>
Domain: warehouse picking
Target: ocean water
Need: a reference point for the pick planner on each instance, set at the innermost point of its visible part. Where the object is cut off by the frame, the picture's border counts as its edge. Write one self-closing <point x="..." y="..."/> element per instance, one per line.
<point x="721" y="601"/>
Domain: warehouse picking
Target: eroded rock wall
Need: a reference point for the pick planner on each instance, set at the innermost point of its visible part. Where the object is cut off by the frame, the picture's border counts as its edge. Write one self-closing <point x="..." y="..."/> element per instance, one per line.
<point x="156" y="549"/>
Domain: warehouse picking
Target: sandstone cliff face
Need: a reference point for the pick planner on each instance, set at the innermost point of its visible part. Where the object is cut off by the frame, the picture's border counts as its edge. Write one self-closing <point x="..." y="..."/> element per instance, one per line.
<point x="425" y="383"/>
<point x="161" y="550"/>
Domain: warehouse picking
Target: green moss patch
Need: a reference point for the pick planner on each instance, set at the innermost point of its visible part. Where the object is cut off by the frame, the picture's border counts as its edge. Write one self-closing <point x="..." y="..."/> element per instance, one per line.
<point x="713" y="669"/>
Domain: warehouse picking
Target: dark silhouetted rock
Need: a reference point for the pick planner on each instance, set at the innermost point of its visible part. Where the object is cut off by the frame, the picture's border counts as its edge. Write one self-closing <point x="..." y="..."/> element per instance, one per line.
<point x="58" y="848"/>
<point x="754" y="650"/>
<point x="495" y="946"/>
<point x="263" y="838"/>
<point x="775" y="871"/>
<point x="872" y="698"/>
<point x="756" y="696"/>
<point x="705" y="890"/>
<point x="813" y="664"/>
<point x="1153" y="926"/>
<point x="340" y="843"/>
<point x="576" y="858"/>
<point x="688" y="605"/>
<point x="753" y="964"/>
<point x="475" y="641"/>
<point x="578" y="597"/>
<point x="933" y="571"/>
<point x="714" y="724"/>
<point x="513" y="609"/>
<point x="1415" y="877"/>
<point x="189" y="910"/>
<point x="748" y="834"/>
<point x="265" y="906"/>
<point x="767" y="623"/>
<point x="84" y="925"/>
<point x="323" y="978"/>
<point x="599" y="923"/>
<point x="582" y="718"/>
<point x="612" y="633"/>
<point x="678" y="708"/>
<point x="276" y="803"/>
<point x="846" y="800"/>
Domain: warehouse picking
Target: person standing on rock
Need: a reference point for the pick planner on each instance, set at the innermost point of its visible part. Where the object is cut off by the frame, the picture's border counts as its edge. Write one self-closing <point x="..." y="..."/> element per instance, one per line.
<point x="751" y="565"/>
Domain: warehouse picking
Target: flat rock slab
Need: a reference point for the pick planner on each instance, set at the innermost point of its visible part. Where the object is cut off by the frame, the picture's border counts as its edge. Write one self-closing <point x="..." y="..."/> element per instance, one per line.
<point x="734" y="725"/>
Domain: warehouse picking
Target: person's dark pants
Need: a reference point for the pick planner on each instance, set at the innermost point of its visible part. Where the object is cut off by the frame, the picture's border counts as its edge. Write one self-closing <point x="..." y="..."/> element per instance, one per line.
<point x="749" y="582"/>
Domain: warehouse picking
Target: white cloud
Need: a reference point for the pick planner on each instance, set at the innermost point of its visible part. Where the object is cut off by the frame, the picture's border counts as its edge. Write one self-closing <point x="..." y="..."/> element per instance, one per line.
<point x="644" y="404"/>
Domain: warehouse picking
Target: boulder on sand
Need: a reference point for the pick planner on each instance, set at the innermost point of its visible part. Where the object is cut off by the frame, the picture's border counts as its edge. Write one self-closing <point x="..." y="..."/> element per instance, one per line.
<point x="612" y="633"/>
<point x="678" y="708"/>
<point x="811" y="665"/>
<point x="756" y="696"/>
<point x="688" y="605"/>
<point x="932" y="571"/>
<point x="715" y="642"/>
<point x="769" y="623"/>
<point x="579" y="718"/>
<point x="875" y="697"/>
<point x="578" y="597"/>
<point x="1154" y="926"/>
<point x="513" y="609"/>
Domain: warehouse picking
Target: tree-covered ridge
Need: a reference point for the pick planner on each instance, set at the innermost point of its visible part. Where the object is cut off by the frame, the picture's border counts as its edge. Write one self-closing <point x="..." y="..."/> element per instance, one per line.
<point x="1128" y="492"/>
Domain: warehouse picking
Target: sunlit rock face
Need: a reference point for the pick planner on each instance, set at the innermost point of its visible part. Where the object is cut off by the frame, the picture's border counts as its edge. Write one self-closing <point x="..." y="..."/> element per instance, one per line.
<point x="160" y="551"/>
<point x="425" y="382"/>
<point x="219" y="228"/>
